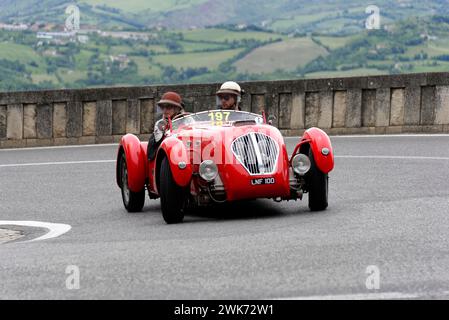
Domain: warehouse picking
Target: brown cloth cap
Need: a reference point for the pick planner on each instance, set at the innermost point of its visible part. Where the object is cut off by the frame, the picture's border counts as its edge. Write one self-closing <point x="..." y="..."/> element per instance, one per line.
<point x="171" y="98"/>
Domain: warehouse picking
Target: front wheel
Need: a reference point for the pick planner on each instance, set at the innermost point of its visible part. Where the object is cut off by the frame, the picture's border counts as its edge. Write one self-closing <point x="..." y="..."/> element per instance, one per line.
<point x="133" y="201"/>
<point x="318" y="186"/>
<point x="172" y="196"/>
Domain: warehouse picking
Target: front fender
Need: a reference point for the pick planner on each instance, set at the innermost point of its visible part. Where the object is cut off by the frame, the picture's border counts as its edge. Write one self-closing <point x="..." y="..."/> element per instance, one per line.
<point x="318" y="141"/>
<point x="177" y="152"/>
<point x="135" y="155"/>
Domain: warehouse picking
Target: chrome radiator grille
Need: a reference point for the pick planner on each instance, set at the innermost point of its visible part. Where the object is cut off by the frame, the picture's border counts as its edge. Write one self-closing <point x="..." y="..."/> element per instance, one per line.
<point x="257" y="152"/>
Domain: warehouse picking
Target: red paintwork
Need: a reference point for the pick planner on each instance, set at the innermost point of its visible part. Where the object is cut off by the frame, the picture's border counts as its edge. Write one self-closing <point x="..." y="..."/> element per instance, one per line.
<point x="303" y="141"/>
<point x="177" y="152"/>
<point x="135" y="153"/>
<point x="236" y="179"/>
<point x="319" y="140"/>
<point x="196" y="143"/>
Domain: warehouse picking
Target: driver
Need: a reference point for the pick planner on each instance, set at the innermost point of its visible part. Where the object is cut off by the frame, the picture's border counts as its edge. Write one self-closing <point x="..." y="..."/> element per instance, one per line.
<point x="229" y="96"/>
<point x="170" y="106"/>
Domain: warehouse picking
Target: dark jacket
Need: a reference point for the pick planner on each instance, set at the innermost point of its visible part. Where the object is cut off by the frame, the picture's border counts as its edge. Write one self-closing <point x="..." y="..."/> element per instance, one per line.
<point x="153" y="145"/>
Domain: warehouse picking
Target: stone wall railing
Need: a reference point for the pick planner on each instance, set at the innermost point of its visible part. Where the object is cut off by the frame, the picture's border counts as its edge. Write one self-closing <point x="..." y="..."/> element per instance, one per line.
<point x="358" y="105"/>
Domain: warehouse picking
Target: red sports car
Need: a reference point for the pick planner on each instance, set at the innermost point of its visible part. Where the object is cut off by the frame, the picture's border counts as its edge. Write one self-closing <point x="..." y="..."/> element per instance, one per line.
<point x="217" y="156"/>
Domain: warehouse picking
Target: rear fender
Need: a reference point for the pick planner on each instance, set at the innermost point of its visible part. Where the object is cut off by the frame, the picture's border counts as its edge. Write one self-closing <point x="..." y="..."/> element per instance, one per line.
<point x="319" y="141"/>
<point x="179" y="160"/>
<point x="135" y="153"/>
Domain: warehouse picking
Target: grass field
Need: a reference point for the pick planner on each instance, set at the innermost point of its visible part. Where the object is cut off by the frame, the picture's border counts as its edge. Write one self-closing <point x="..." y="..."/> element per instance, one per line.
<point x="145" y="68"/>
<point x="433" y="48"/>
<point x="335" y="42"/>
<point x="210" y="60"/>
<point x="123" y="49"/>
<point x="426" y="67"/>
<point x="337" y="25"/>
<point x="136" y="6"/>
<point x="82" y="59"/>
<point x="276" y="60"/>
<point x="285" y="55"/>
<point x="70" y="76"/>
<point x="116" y="50"/>
<point x="189" y="46"/>
<point x="21" y="53"/>
<point x="347" y="73"/>
<point x="222" y="35"/>
<point x="38" y="78"/>
<point x="283" y="24"/>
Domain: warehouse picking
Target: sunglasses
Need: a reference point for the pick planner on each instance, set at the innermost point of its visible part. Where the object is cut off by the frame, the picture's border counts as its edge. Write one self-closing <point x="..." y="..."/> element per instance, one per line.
<point x="225" y="97"/>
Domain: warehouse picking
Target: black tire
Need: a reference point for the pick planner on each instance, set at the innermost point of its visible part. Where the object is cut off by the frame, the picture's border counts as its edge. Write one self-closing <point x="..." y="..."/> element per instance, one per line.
<point x="133" y="201"/>
<point x="318" y="186"/>
<point x="172" y="196"/>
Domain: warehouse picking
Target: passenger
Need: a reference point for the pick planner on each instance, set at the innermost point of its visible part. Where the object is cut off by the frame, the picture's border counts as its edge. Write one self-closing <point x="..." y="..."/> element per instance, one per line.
<point x="170" y="106"/>
<point x="229" y="96"/>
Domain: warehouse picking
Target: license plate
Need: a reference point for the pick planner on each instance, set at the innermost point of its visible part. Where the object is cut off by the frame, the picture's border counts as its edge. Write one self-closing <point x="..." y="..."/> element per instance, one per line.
<point x="261" y="181"/>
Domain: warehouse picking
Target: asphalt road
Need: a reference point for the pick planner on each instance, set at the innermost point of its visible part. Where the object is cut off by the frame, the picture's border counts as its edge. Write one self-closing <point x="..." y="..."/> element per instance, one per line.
<point x="388" y="207"/>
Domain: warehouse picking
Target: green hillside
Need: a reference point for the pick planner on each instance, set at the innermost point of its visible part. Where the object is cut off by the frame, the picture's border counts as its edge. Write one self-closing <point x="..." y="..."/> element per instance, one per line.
<point x="285" y="55"/>
<point x="324" y="16"/>
<point x="137" y="6"/>
<point x="412" y="45"/>
<point x="328" y="40"/>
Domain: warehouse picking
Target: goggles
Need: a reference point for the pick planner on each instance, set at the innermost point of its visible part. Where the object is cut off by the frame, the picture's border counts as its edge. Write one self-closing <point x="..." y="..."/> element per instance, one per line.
<point x="225" y="97"/>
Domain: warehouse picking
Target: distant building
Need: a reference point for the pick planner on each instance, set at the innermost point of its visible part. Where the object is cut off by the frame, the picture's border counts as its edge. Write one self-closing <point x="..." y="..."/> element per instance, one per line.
<point x="44" y="35"/>
<point x="83" y="38"/>
<point x="43" y="27"/>
<point x="428" y="36"/>
<point x="62" y="37"/>
<point x="50" y="53"/>
<point x="265" y="23"/>
<point x="128" y="35"/>
<point x="14" y="27"/>
<point x="122" y="59"/>
<point x="55" y="35"/>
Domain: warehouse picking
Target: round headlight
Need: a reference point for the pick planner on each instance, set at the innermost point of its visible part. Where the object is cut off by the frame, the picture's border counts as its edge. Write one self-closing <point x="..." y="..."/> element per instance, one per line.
<point x="208" y="170"/>
<point x="301" y="164"/>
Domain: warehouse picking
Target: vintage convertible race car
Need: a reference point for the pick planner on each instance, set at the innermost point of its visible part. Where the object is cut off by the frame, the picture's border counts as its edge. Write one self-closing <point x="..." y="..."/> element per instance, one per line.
<point x="217" y="156"/>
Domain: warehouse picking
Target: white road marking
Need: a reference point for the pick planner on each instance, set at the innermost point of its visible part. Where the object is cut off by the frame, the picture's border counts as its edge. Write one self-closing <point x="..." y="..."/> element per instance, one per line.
<point x="55" y="229"/>
<point x="404" y="135"/>
<point x="366" y="296"/>
<point x="110" y="161"/>
<point x="392" y="157"/>
<point x="53" y="163"/>
<point x="61" y="147"/>
<point x="286" y="138"/>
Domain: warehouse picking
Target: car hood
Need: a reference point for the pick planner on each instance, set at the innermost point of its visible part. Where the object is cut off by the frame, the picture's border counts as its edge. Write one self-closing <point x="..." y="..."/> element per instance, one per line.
<point x="215" y="143"/>
<point x="225" y="134"/>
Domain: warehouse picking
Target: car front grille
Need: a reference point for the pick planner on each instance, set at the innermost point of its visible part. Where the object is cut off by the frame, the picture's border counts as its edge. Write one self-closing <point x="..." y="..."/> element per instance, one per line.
<point x="257" y="152"/>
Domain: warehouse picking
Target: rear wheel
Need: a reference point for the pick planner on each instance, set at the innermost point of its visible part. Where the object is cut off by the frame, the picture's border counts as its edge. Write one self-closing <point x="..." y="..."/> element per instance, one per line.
<point x="318" y="186"/>
<point x="133" y="201"/>
<point x="172" y="196"/>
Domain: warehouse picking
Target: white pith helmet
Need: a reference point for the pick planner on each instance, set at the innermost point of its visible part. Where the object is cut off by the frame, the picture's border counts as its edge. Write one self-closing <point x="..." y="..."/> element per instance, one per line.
<point x="230" y="87"/>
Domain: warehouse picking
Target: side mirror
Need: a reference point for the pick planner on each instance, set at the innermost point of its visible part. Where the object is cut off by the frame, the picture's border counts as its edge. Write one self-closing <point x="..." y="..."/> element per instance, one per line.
<point x="271" y="119"/>
<point x="159" y="129"/>
<point x="162" y="125"/>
